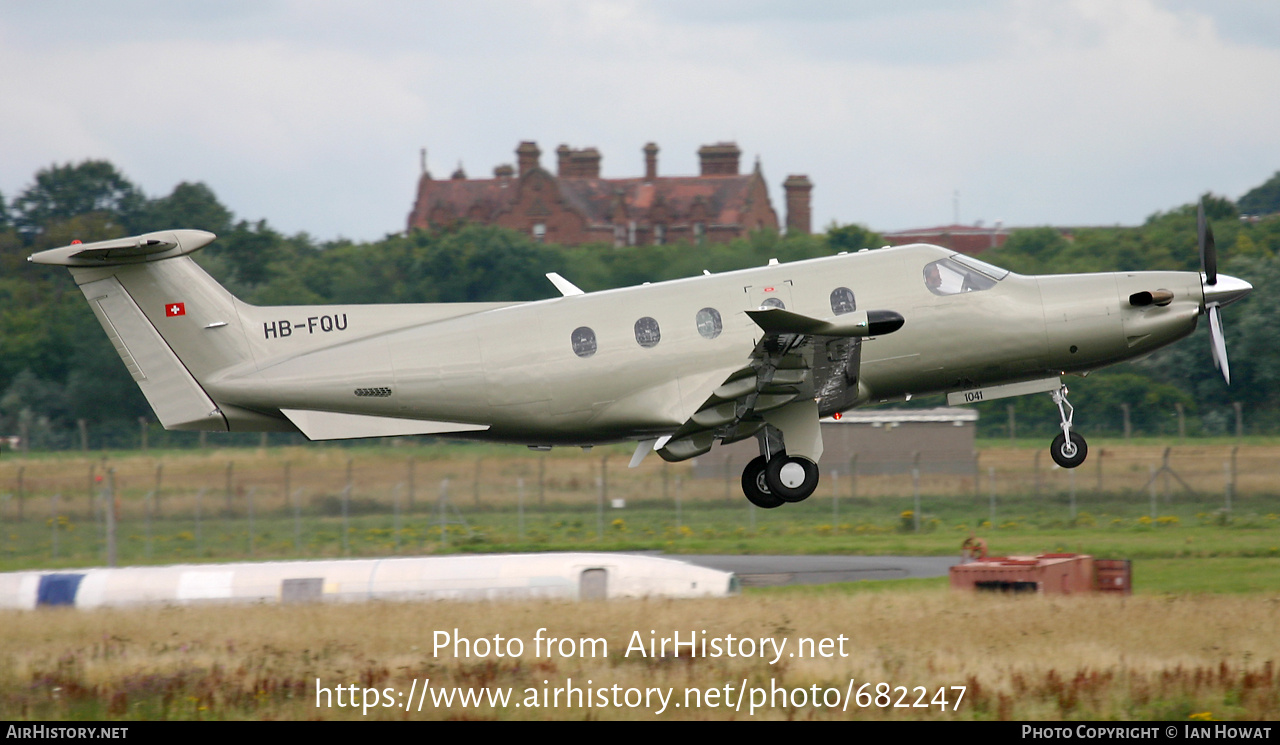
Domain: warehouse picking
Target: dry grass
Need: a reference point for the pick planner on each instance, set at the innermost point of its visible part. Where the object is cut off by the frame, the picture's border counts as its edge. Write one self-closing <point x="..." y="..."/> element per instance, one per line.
<point x="1032" y="658"/>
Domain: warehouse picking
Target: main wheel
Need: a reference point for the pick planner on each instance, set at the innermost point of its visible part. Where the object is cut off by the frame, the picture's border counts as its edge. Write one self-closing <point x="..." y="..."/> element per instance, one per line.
<point x="754" y="486"/>
<point x="1068" y="454"/>
<point x="791" y="478"/>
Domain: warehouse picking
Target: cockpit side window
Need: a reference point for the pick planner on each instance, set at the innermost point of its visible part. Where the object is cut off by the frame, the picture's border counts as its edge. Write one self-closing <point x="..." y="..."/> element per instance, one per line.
<point x="951" y="277"/>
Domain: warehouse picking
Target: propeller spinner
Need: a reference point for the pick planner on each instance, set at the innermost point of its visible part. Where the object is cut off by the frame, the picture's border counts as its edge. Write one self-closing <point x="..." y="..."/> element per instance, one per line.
<point x="1218" y="291"/>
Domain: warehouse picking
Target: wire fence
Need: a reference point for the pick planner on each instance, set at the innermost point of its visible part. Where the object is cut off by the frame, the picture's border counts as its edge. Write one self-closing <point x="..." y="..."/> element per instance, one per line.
<point x="321" y="503"/>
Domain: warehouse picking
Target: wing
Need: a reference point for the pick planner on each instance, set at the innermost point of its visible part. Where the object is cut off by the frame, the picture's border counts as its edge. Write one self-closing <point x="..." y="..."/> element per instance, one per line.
<point x="799" y="358"/>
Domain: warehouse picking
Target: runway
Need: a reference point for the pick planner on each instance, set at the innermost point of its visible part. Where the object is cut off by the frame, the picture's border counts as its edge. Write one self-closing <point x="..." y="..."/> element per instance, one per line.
<point x="768" y="571"/>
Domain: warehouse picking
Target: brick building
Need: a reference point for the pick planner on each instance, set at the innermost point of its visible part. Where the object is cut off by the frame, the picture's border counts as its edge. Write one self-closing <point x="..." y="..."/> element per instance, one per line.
<point x="576" y="206"/>
<point x="967" y="239"/>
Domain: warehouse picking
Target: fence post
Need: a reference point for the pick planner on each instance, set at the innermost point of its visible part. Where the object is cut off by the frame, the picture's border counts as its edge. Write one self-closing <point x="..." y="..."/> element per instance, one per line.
<point x="410" y="488"/>
<point x="991" y="490"/>
<point x="249" y="501"/>
<point x="159" y="472"/>
<point x="443" y="507"/>
<point x="111" y="517"/>
<point x="520" y="506"/>
<point x="915" y="485"/>
<point x="835" y="498"/>
<point x="297" y="518"/>
<point x="199" y="533"/>
<point x="54" y="509"/>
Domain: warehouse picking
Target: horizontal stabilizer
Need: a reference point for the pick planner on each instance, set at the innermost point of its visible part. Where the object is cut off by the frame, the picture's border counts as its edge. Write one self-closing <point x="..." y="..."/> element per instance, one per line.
<point x="328" y="425"/>
<point x="862" y="323"/>
<point x="164" y="244"/>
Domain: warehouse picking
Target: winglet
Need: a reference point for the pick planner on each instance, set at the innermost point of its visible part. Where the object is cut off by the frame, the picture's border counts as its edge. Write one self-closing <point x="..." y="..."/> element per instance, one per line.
<point x="565" y="287"/>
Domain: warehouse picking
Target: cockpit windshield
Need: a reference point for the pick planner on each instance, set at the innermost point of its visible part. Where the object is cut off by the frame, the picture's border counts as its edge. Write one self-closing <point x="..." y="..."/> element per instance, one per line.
<point x="959" y="273"/>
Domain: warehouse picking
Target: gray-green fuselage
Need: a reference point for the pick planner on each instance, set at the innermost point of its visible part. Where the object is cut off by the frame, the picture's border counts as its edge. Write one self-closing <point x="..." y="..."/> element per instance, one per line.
<point x="514" y="368"/>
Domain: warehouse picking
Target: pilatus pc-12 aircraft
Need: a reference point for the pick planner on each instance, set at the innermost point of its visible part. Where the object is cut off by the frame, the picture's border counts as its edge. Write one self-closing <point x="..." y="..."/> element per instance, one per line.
<point x="674" y="366"/>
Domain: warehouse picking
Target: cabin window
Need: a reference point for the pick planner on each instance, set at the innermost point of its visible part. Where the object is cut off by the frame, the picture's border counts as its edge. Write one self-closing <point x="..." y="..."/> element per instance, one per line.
<point x="951" y="277"/>
<point x="583" y="340"/>
<point x="647" y="332"/>
<point x="772" y="302"/>
<point x="842" y="301"/>
<point x="709" y="323"/>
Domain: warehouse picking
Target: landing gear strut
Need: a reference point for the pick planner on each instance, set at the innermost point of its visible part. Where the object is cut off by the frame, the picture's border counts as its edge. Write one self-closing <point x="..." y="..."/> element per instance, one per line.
<point x="1069" y="448"/>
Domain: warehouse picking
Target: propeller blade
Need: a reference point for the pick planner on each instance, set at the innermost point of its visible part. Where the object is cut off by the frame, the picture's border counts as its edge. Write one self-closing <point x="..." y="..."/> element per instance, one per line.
<point x="1218" y="343"/>
<point x="1208" y="251"/>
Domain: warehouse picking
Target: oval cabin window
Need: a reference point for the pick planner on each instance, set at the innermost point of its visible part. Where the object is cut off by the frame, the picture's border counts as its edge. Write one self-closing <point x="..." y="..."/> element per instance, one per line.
<point x="583" y="340"/>
<point x="647" y="332"/>
<point x="709" y="323"/>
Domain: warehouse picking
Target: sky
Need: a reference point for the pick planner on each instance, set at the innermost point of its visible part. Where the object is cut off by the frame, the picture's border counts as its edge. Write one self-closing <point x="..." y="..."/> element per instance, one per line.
<point x="311" y="113"/>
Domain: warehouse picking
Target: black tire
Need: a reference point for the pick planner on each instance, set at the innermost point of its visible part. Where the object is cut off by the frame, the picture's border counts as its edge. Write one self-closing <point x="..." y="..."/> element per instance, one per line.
<point x="788" y="483"/>
<point x="754" y="486"/>
<point x="1063" y="455"/>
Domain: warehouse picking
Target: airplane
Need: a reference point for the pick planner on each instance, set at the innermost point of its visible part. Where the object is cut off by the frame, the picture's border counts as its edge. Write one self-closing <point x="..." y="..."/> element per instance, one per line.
<point x="673" y="366"/>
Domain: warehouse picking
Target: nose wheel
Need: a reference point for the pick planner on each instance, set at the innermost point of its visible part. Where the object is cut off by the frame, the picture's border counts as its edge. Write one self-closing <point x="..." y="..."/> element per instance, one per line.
<point x="1069" y="448"/>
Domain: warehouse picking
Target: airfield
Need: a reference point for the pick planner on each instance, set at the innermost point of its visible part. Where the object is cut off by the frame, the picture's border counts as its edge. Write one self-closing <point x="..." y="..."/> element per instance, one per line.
<point x="1206" y="580"/>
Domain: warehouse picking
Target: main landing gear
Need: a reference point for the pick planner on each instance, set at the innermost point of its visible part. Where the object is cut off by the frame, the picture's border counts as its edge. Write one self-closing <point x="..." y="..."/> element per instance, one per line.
<point x="1069" y="448"/>
<point x="773" y="481"/>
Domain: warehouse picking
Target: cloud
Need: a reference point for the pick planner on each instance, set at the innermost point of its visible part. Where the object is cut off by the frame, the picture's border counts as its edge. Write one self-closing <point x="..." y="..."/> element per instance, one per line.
<point x="310" y="114"/>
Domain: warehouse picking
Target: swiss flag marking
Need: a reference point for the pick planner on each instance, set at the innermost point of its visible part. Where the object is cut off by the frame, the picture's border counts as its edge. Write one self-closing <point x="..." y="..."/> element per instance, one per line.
<point x="175" y="309"/>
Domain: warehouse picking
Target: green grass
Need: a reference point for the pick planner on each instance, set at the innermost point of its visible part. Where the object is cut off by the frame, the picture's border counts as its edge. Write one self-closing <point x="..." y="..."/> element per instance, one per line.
<point x="1188" y="548"/>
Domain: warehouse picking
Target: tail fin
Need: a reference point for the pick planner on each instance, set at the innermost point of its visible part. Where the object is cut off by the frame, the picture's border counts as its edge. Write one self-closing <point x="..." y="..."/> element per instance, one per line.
<point x="172" y="324"/>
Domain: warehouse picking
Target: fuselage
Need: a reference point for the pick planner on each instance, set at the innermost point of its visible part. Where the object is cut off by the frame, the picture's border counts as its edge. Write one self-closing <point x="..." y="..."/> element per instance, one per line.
<point x="637" y="362"/>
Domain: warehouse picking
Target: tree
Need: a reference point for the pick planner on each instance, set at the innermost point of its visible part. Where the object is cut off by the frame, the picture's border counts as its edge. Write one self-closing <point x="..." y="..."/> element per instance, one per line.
<point x="64" y="192"/>
<point x="1263" y="199"/>
<point x="851" y="237"/>
<point x="4" y="214"/>
<point x="189" y="206"/>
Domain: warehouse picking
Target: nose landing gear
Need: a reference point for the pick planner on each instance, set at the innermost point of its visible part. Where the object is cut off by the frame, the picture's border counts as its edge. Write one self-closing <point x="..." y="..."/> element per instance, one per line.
<point x="1069" y="448"/>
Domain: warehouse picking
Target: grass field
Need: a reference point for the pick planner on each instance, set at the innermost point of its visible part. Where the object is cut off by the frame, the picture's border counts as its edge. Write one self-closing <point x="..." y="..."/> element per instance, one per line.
<point x="1189" y="657"/>
<point x="1197" y="640"/>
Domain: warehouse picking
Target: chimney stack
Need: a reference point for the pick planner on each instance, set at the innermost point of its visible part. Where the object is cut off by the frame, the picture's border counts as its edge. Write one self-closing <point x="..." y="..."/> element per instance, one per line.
<point x="527" y="156"/>
<point x="563" y="167"/>
<point x="650" y="162"/>
<point x="797" y="188"/>
<point x="585" y="163"/>
<point x="720" y="159"/>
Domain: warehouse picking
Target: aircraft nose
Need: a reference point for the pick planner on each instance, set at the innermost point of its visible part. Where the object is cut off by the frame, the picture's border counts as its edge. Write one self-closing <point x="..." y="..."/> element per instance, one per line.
<point x="1227" y="290"/>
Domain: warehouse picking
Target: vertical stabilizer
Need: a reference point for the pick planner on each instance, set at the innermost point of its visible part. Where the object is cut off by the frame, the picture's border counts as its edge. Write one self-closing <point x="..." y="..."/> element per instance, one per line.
<point x="173" y="325"/>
